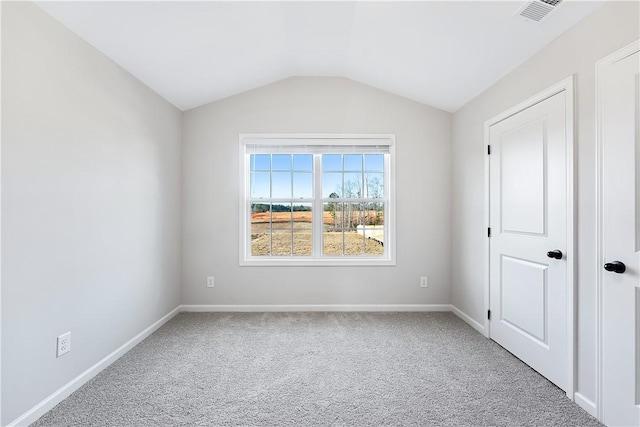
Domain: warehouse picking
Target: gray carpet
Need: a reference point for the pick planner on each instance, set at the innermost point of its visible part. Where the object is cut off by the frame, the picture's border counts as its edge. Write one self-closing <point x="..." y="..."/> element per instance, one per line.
<point x="316" y="369"/>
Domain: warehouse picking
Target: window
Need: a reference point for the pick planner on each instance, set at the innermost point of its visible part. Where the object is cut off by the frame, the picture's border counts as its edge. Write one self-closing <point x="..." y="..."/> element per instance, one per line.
<point x="317" y="200"/>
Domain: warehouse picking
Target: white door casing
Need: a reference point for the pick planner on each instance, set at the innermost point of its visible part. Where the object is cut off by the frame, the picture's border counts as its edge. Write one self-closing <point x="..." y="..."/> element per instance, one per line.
<point x="618" y="213"/>
<point x="530" y="213"/>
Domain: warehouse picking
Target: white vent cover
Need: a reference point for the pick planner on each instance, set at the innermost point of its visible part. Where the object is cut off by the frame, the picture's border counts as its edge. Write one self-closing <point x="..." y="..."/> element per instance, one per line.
<point x="538" y="10"/>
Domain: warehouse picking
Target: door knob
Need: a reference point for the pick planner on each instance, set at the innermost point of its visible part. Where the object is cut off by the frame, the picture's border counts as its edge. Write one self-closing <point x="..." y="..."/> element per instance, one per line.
<point x="557" y="254"/>
<point x="616" y="267"/>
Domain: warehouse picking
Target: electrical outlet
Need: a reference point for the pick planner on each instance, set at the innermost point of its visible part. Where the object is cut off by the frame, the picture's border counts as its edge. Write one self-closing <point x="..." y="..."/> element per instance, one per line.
<point x="424" y="282"/>
<point x="64" y="344"/>
<point x="210" y="282"/>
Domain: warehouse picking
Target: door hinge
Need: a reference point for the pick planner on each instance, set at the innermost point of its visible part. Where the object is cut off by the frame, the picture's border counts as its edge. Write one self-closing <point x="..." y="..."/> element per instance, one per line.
<point x="489" y="314"/>
<point x="488" y="149"/>
<point x="489" y="232"/>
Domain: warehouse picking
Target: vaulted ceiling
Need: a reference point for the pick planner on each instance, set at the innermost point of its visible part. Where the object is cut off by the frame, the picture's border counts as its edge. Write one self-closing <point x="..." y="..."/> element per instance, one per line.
<point x="439" y="53"/>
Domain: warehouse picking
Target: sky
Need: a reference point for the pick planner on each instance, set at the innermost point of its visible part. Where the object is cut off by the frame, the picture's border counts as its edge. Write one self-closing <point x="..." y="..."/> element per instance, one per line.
<point x="291" y="175"/>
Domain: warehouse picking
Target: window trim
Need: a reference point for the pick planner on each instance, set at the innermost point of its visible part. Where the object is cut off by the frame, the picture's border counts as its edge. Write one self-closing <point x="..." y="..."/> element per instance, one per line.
<point x="389" y="259"/>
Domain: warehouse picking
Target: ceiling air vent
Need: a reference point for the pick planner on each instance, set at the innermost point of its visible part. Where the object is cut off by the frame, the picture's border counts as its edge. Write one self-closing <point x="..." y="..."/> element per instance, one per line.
<point x="538" y="10"/>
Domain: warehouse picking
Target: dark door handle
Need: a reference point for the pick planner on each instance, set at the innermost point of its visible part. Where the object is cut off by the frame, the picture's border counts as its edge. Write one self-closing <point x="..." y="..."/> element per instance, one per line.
<point x="555" y="254"/>
<point x="616" y="267"/>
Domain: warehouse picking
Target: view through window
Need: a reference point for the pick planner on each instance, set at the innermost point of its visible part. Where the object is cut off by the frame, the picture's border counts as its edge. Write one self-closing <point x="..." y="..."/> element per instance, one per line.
<point x="323" y="199"/>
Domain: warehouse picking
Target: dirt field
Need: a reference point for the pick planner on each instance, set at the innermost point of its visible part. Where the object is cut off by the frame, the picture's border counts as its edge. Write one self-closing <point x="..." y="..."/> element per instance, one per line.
<point x="280" y="217"/>
<point x="298" y="217"/>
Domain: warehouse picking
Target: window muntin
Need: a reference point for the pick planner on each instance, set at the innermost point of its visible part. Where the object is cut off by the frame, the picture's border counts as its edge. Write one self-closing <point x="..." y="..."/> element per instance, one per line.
<point x="317" y="202"/>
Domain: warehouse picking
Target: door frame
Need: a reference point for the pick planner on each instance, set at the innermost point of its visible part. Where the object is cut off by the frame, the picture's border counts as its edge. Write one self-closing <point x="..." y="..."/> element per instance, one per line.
<point x="0" y="232"/>
<point x="566" y="85"/>
<point x="601" y="70"/>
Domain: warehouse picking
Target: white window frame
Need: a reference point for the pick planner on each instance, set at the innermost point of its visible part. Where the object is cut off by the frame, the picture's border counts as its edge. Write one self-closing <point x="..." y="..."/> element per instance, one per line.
<point x="389" y="256"/>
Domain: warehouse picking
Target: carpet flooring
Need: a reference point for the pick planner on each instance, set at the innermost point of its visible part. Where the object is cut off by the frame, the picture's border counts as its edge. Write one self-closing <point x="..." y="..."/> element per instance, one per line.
<point x="317" y="369"/>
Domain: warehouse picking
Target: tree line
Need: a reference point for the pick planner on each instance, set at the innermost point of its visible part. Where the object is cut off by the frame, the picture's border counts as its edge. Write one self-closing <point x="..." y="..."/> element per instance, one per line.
<point x="266" y="207"/>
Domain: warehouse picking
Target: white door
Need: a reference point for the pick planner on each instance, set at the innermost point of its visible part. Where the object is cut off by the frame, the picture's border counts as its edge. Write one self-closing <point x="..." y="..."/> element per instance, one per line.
<point x="528" y="246"/>
<point x="619" y="114"/>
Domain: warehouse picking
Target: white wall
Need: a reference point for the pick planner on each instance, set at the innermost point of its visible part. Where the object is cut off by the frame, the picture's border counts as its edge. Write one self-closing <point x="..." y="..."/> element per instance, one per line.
<point x="575" y="52"/>
<point x="315" y="105"/>
<point x="90" y="206"/>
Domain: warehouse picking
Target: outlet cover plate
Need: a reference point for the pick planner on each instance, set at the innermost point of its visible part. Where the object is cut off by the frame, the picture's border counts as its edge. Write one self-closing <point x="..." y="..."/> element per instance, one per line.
<point x="210" y="282"/>
<point x="64" y="344"/>
<point x="424" y="282"/>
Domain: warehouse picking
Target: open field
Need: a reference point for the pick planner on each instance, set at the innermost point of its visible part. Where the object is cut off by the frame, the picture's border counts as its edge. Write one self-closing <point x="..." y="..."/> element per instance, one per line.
<point x="300" y="217"/>
<point x="287" y="238"/>
<point x="353" y="244"/>
<point x="299" y="242"/>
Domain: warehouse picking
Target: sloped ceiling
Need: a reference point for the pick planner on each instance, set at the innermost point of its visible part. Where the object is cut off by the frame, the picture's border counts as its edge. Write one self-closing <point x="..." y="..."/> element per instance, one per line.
<point x="439" y="53"/>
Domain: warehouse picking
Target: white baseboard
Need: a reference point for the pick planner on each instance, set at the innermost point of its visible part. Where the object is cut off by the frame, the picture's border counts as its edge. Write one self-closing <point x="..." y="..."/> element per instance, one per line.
<point x="62" y="393"/>
<point x="585" y="404"/>
<point x="317" y="307"/>
<point x="464" y="316"/>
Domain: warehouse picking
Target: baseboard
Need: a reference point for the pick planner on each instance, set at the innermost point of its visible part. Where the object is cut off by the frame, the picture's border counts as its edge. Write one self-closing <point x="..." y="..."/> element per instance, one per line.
<point x="317" y="307"/>
<point x="62" y="393"/>
<point x="585" y="404"/>
<point x="464" y="316"/>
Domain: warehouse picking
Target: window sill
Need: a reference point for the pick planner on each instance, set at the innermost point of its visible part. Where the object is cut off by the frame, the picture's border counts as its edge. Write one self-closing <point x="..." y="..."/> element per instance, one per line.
<point x="325" y="262"/>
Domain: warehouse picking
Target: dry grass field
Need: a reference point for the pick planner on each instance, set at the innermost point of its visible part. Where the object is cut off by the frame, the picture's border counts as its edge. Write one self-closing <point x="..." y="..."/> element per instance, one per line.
<point x="285" y="217"/>
<point x="299" y="242"/>
<point x="298" y="217"/>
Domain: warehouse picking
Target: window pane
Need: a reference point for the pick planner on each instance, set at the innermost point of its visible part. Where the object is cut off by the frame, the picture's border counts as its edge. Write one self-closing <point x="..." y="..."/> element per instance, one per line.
<point x="302" y="216"/>
<point x="260" y="213"/>
<point x="374" y="244"/>
<point x="332" y="243"/>
<point x="302" y="242"/>
<point x="261" y="244"/>
<point x="302" y="185"/>
<point x="281" y="222"/>
<point x="281" y="215"/>
<point x="303" y="162"/>
<point x="353" y="185"/>
<point x="260" y="229"/>
<point x="281" y="242"/>
<point x="353" y="243"/>
<point x="353" y="162"/>
<point x="374" y="229"/>
<point x="353" y="237"/>
<point x="260" y="162"/>
<point x="332" y="229"/>
<point x="281" y="185"/>
<point x="332" y="162"/>
<point x="331" y="185"/>
<point x="354" y="215"/>
<point x="260" y="184"/>
<point x="375" y="214"/>
<point x="375" y="185"/>
<point x="281" y="162"/>
<point x="332" y="216"/>
<point x="374" y="162"/>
